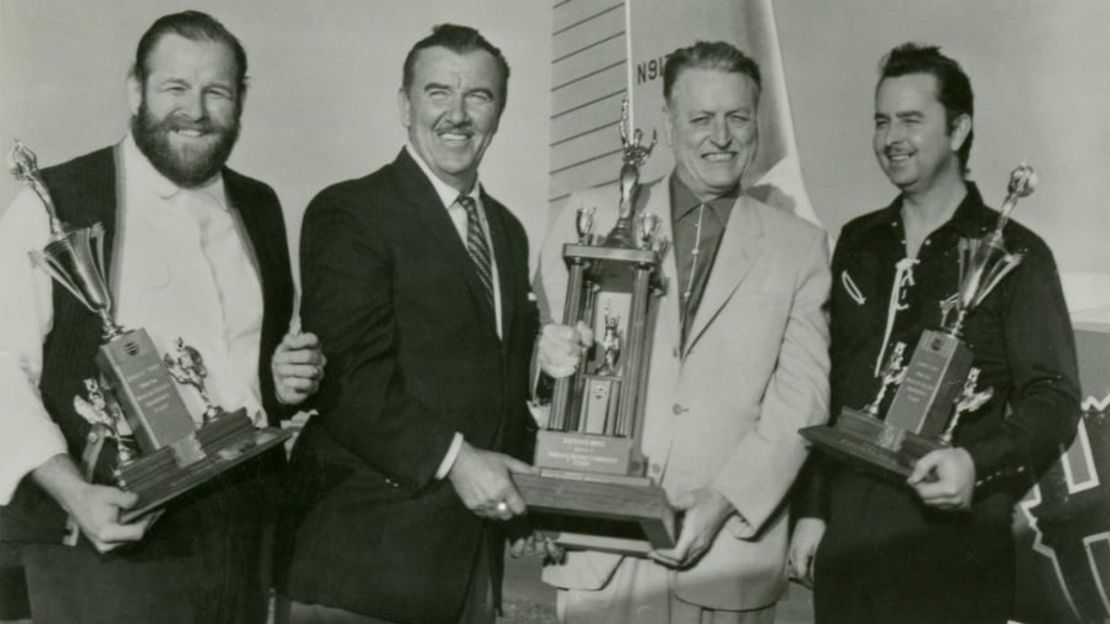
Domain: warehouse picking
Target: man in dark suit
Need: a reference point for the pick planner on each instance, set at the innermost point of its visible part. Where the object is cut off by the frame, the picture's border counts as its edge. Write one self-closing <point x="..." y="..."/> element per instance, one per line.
<point x="193" y="250"/>
<point x="416" y="280"/>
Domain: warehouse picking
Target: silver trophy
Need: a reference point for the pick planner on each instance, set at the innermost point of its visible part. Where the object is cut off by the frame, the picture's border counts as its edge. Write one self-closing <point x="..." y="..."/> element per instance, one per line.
<point x="939" y="385"/>
<point x="135" y="392"/>
<point x="592" y="469"/>
<point x="985" y="261"/>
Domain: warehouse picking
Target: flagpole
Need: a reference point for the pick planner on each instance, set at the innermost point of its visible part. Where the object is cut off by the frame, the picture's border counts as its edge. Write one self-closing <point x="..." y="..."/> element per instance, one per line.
<point x="628" y="64"/>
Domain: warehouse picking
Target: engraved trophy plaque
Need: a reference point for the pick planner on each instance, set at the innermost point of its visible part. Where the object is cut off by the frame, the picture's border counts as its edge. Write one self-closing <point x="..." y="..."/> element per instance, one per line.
<point x="135" y="404"/>
<point x="591" y="490"/>
<point x="938" y="386"/>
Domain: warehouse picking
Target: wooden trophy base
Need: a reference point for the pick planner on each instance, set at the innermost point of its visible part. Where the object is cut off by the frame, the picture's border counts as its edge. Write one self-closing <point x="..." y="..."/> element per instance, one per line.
<point x="227" y="441"/>
<point x="869" y="443"/>
<point x="585" y="495"/>
<point x="625" y="515"/>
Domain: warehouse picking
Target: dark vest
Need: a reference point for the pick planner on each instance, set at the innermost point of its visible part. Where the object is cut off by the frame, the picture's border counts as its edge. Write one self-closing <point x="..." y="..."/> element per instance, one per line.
<point x="84" y="191"/>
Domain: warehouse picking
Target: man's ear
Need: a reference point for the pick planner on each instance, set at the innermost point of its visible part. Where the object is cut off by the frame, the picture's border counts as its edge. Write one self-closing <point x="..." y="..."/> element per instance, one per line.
<point x="241" y="97"/>
<point x="405" y="107"/>
<point x="134" y="93"/>
<point x="960" y="128"/>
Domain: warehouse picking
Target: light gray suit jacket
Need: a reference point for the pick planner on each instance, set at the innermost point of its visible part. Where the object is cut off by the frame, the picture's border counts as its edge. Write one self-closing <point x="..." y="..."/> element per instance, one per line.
<point x="725" y="414"/>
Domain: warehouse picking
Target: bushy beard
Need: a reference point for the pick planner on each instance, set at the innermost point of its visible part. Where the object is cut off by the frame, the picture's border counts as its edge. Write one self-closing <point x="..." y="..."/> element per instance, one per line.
<point x="188" y="168"/>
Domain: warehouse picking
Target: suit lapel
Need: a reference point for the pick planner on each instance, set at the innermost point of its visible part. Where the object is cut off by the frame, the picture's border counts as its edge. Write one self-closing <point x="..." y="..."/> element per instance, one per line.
<point x="658" y="201"/>
<point x="741" y="244"/>
<point x="258" y="249"/>
<point x="421" y="195"/>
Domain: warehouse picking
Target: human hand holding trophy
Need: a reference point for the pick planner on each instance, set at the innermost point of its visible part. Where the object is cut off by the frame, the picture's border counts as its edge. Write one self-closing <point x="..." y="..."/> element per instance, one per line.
<point x="939" y="385"/>
<point x="139" y="426"/>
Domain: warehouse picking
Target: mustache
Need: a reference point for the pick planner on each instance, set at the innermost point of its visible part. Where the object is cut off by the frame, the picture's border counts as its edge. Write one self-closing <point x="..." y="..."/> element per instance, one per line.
<point x="450" y="126"/>
<point x="204" y="126"/>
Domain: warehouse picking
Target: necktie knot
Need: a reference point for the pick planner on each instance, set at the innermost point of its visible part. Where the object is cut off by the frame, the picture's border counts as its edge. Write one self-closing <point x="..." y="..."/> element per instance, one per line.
<point x="467" y="202"/>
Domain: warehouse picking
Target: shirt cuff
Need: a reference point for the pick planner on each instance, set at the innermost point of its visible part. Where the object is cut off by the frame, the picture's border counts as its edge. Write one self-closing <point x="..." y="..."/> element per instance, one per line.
<point x="40" y="443"/>
<point x="449" y="459"/>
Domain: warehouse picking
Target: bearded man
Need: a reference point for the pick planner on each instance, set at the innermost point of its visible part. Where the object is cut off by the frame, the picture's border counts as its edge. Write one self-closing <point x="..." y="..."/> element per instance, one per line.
<point x="194" y="250"/>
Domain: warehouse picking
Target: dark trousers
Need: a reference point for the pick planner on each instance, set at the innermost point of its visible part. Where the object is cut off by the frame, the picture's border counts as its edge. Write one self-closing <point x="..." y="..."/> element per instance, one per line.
<point x="887" y="558"/>
<point x="478" y="606"/>
<point x="13" y="584"/>
<point x="201" y="563"/>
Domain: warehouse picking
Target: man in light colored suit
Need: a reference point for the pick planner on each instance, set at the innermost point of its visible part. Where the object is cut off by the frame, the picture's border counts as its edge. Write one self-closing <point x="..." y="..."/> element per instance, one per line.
<point x="739" y="363"/>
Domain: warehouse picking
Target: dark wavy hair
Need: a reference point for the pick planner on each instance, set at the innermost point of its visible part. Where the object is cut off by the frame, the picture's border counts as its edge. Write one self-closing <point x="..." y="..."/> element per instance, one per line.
<point x="460" y="40"/>
<point x="953" y="85"/>
<point x="718" y="55"/>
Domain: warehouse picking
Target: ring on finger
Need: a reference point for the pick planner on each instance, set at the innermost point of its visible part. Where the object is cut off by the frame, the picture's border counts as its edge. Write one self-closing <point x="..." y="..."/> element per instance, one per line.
<point x="502" y="507"/>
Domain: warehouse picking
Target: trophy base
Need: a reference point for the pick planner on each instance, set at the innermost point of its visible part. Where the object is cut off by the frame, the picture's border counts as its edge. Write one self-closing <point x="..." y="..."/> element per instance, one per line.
<point x="224" y="443"/>
<point x="864" y="441"/>
<point x="626" y="515"/>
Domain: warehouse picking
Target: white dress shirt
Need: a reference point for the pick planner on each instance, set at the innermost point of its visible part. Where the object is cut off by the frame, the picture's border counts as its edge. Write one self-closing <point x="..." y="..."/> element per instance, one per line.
<point x="448" y="196"/>
<point x="182" y="267"/>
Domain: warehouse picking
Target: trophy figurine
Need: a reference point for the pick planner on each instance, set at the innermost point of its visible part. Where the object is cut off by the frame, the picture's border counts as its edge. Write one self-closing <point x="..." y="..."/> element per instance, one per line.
<point x="584" y="224"/>
<point x="939" y="385"/>
<point x="892" y="375"/>
<point x="968" y="401"/>
<point x="188" y="369"/>
<point x="105" y="420"/>
<point x="163" y="454"/>
<point x="633" y="155"/>
<point x="592" y="490"/>
<point x="611" y="346"/>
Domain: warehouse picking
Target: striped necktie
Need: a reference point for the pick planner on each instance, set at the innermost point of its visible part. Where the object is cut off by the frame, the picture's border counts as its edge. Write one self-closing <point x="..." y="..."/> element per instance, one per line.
<point x="478" y="248"/>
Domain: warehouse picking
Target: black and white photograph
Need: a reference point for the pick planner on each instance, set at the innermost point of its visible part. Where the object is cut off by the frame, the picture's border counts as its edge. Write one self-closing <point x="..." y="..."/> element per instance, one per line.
<point x="554" y="311"/>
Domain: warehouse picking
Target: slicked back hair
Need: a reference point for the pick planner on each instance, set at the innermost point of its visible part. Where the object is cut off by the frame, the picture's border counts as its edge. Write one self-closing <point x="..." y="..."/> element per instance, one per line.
<point x="195" y="26"/>
<point x="460" y="40"/>
<point x="718" y="55"/>
<point x="953" y="85"/>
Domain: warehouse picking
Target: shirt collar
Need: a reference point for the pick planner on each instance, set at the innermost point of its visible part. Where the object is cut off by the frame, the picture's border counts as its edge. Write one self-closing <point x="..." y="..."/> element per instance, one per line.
<point x="141" y="170"/>
<point x="683" y="200"/>
<point x="971" y="218"/>
<point x="446" y="193"/>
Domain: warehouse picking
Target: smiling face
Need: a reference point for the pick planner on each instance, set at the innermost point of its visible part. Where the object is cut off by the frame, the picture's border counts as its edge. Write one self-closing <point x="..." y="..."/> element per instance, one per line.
<point x="451" y="111"/>
<point x="914" y="143"/>
<point x="185" y="117"/>
<point x="711" y="126"/>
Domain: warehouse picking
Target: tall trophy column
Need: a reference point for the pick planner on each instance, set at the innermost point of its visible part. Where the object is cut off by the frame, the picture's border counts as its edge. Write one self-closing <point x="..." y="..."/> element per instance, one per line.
<point x="592" y="490"/>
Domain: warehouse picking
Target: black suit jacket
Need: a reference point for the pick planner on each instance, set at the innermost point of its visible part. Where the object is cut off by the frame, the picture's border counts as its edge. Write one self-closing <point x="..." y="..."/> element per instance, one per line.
<point x="413" y="357"/>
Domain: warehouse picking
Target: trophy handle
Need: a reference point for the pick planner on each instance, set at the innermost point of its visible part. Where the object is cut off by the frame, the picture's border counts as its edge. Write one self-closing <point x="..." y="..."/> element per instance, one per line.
<point x="997" y="272"/>
<point x="75" y="259"/>
<point x="47" y="263"/>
